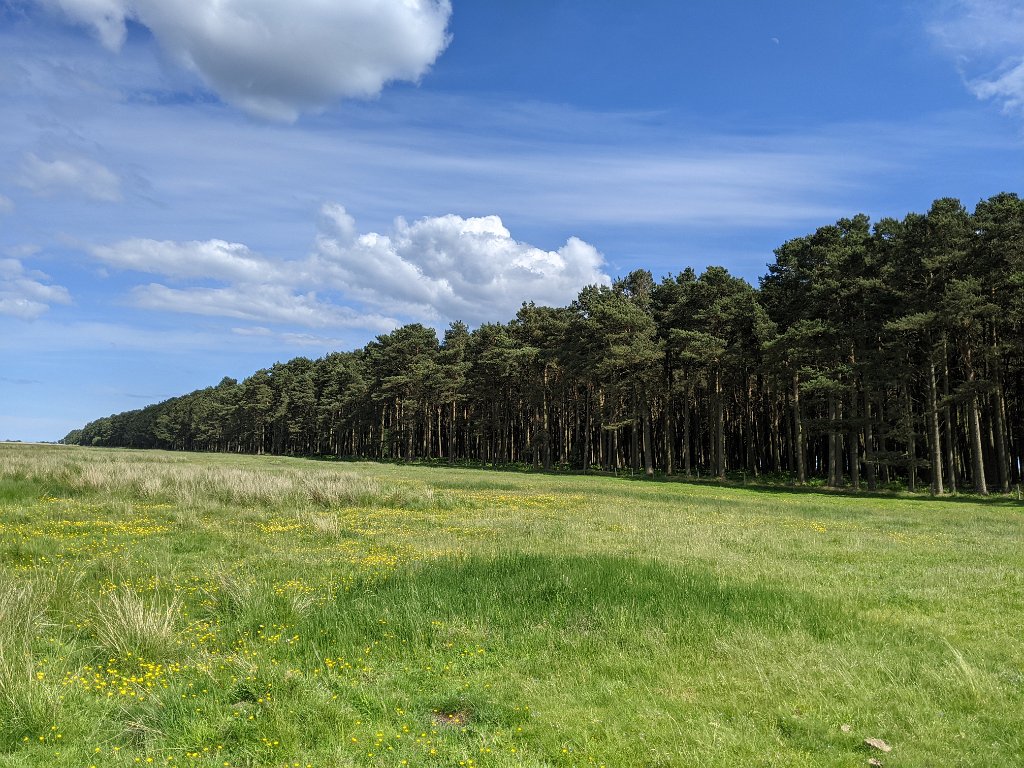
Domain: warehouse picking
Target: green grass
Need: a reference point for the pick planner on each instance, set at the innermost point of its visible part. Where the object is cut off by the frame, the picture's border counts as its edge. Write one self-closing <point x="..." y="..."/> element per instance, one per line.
<point x="209" y="610"/>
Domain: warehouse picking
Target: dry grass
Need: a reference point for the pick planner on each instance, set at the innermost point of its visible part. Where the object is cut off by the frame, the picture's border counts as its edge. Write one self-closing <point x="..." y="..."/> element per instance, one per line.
<point x="21" y="614"/>
<point x="127" y="625"/>
<point x="324" y="524"/>
<point x="171" y="478"/>
<point x="25" y="702"/>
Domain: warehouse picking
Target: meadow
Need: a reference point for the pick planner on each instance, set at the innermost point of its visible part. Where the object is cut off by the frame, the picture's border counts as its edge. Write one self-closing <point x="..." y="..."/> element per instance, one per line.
<point x="170" y="609"/>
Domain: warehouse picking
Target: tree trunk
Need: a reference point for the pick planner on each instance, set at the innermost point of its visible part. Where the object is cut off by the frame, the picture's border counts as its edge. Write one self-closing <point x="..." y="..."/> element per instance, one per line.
<point x="911" y="442"/>
<point x="670" y="435"/>
<point x="719" y="427"/>
<point x="870" y="465"/>
<point x="853" y="442"/>
<point x="428" y="432"/>
<point x="974" y="425"/>
<point x="546" y="425"/>
<point x="687" y="455"/>
<point x="751" y="460"/>
<point x="999" y="412"/>
<point x="798" y="448"/>
<point x="834" y="467"/>
<point x="451" y="435"/>
<point x="648" y="442"/>
<point x="947" y="413"/>
<point x="409" y="426"/>
<point x="775" y="436"/>
<point x="935" y="441"/>
<point x="634" y="437"/>
<point x="587" y="436"/>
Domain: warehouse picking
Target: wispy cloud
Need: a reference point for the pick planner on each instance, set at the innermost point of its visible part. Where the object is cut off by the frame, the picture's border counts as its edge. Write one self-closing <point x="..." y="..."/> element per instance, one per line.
<point x="214" y="259"/>
<point x="259" y="303"/>
<point x="1007" y="88"/>
<point x="292" y="339"/>
<point x="46" y="335"/>
<point x="987" y="38"/>
<point x="25" y="293"/>
<point x="548" y="167"/>
<point x="74" y="174"/>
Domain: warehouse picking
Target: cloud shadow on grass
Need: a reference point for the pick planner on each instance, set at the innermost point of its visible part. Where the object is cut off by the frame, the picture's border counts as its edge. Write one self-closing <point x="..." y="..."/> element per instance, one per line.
<point x="530" y="598"/>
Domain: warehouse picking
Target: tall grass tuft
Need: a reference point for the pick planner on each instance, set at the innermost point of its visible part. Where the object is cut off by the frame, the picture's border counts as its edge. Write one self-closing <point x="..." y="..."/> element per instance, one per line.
<point x="25" y="703"/>
<point x="21" y="613"/>
<point x="126" y="625"/>
<point x="232" y="594"/>
<point x="324" y="524"/>
<point x="249" y="602"/>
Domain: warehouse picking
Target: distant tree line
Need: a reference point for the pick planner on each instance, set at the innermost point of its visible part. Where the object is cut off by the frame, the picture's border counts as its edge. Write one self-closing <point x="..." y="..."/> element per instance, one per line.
<point x="869" y="355"/>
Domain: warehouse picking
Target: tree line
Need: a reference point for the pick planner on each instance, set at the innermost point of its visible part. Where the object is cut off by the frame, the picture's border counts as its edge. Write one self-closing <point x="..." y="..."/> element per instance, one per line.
<point x="869" y="355"/>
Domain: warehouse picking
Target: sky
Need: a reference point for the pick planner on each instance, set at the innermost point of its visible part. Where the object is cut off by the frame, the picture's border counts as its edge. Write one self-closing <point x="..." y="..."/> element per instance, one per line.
<point x="193" y="189"/>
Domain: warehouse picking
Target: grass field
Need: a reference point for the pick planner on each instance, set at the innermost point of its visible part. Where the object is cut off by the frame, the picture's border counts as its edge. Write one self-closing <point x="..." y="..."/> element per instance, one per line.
<point x="209" y="610"/>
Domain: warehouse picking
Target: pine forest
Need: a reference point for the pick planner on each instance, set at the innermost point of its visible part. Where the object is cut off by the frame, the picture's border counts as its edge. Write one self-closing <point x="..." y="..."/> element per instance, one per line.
<point x="885" y="355"/>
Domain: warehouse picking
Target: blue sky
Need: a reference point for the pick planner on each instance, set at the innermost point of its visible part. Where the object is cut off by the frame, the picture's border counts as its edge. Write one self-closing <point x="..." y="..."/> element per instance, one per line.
<point x="193" y="190"/>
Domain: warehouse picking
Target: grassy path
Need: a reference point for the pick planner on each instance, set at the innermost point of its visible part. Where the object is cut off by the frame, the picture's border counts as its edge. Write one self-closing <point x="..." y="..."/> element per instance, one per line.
<point x="204" y="610"/>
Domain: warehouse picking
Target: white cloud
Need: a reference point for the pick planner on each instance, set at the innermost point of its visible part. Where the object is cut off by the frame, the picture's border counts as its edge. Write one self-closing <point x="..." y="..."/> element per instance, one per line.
<point x="275" y="59"/>
<point x="451" y="268"/>
<point x="255" y="287"/>
<point x="1007" y="88"/>
<point x="436" y="269"/>
<point x="69" y="173"/>
<point x="987" y="37"/>
<point x="431" y="153"/>
<point x="24" y="294"/>
<point x="261" y="303"/>
<point x="6" y="205"/>
<point x="214" y="259"/>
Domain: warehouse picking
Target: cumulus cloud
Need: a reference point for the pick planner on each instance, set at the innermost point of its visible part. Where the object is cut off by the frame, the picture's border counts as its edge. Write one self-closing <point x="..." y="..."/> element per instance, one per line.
<point x="987" y="37"/>
<point x="436" y="269"/>
<point x="448" y="267"/>
<point x="70" y="173"/>
<point x="275" y="59"/>
<point x="25" y="293"/>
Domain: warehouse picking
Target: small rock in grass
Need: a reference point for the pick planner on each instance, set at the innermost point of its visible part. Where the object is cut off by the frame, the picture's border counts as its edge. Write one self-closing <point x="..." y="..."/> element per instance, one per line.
<point x="878" y="744"/>
<point x="845" y="727"/>
<point x="874" y="762"/>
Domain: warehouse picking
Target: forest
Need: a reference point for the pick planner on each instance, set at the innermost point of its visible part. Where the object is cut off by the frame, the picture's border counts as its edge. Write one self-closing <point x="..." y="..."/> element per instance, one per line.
<point x="870" y="356"/>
